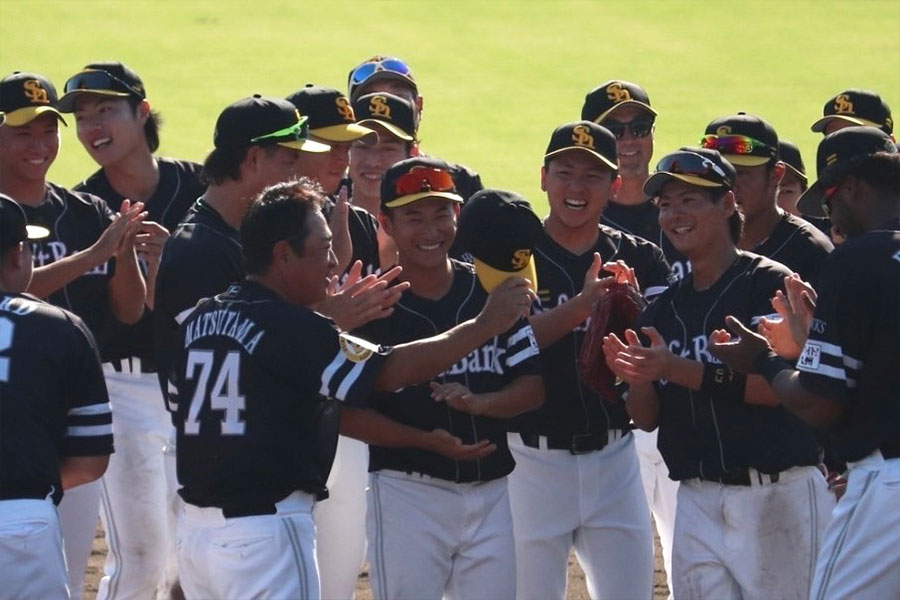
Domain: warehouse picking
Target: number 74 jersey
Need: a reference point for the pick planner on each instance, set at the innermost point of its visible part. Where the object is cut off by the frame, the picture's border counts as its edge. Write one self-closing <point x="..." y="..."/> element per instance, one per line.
<point x="256" y="383"/>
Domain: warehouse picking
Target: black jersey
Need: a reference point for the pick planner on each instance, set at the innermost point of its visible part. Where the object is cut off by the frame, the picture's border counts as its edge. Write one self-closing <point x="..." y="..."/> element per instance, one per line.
<point x="253" y="374"/>
<point x="487" y="368"/>
<point x="642" y="220"/>
<point x="798" y="245"/>
<point x="701" y="435"/>
<point x="76" y="220"/>
<point x="363" y="234"/>
<point x="53" y="401"/>
<point x="823" y="224"/>
<point x="179" y="186"/>
<point x="853" y="351"/>
<point x="200" y="260"/>
<point x="571" y="407"/>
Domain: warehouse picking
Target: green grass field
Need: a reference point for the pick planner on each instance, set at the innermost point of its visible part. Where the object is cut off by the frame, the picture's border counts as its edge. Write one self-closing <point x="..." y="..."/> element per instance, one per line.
<point x="497" y="76"/>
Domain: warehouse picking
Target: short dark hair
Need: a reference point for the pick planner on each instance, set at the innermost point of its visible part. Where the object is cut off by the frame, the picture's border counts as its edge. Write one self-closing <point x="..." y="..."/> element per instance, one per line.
<point x="880" y="170"/>
<point x="280" y="212"/>
<point x="550" y="159"/>
<point x="223" y="164"/>
<point x="151" y="127"/>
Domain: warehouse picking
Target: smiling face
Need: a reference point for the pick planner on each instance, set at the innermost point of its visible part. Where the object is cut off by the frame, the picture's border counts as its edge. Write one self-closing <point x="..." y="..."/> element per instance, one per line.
<point x="27" y="152"/>
<point x="691" y="220"/>
<point x="369" y="162"/>
<point x="423" y="231"/>
<point x="578" y="187"/>
<point x="305" y="275"/>
<point x="109" y="129"/>
<point x="634" y="152"/>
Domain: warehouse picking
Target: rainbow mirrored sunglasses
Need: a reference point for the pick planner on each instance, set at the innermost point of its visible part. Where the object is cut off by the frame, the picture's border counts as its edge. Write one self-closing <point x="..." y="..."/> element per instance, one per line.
<point x="736" y="144"/>
<point x="393" y="65"/>
<point x="299" y="131"/>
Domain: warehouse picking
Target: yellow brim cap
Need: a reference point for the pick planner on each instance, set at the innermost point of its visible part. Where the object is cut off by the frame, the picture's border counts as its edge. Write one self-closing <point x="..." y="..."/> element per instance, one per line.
<point x="747" y="160"/>
<point x="349" y="132"/>
<point x="24" y="116"/>
<point x="306" y="146"/>
<point x="599" y="120"/>
<point x="490" y="277"/>
<point x="396" y="131"/>
<point x="404" y="200"/>
<point x="602" y="158"/>
<point x="654" y="184"/>
<point x="819" y="126"/>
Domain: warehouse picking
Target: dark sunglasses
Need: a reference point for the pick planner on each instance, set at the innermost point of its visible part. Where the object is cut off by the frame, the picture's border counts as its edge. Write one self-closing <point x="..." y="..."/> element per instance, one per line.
<point x="96" y="79"/>
<point x="394" y="65"/>
<point x="424" y="179"/>
<point x="689" y="163"/>
<point x="639" y="128"/>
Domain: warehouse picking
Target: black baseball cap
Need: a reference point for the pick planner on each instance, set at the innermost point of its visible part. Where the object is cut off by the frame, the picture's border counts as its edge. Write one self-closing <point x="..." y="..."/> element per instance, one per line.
<point x="758" y="146"/>
<point x="391" y="112"/>
<point x="601" y="100"/>
<point x="834" y="153"/>
<point x="584" y="136"/>
<point x="104" y="79"/>
<point x="330" y="115"/>
<point x="26" y="96"/>
<point x="701" y="167"/>
<point x="379" y="68"/>
<point x="417" y="178"/>
<point x="789" y="154"/>
<point x="14" y="227"/>
<point x="500" y="229"/>
<point x="857" y="107"/>
<point x="264" y="120"/>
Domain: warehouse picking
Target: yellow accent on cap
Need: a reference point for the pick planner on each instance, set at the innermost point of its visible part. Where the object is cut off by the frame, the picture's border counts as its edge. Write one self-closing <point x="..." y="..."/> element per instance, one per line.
<point x="490" y="277"/>
<point x="602" y="158"/>
<point x="306" y="146"/>
<point x="24" y="116"/>
<point x="410" y="198"/>
<point x="348" y="132"/>
<point x="393" y="129"/>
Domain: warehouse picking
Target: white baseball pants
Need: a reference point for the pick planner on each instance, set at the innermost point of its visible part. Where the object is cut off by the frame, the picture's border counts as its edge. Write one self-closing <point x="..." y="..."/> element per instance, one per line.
<point x="32" y="564"/>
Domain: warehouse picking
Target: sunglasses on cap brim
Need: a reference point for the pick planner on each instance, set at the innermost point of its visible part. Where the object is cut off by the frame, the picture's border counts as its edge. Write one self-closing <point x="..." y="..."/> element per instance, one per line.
<point x="737" y="144"/>
<point x="639" y="128"/>
<point x="391" y="65"/>
<point x="96" y="80"/>
<point x="298" y="132"/>
<point x="424" y="179"/>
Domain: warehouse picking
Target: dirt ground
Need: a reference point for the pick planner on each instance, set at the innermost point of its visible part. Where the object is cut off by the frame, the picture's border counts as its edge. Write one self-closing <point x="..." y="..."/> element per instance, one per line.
<point x="576" y="588"/>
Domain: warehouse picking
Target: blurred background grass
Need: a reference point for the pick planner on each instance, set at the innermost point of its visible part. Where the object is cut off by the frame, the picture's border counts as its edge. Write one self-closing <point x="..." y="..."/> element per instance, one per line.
<point x="497" y="76"/>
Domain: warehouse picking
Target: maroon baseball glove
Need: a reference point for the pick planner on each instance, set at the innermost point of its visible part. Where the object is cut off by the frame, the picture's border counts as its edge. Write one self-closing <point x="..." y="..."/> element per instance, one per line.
<point x="615" y="312"/>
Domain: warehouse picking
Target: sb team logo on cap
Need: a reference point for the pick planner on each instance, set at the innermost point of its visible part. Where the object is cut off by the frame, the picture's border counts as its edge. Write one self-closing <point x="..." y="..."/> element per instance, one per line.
<point x="35" y="93"/>
<point x="521" y="258"/>
<point x="378" y="106"/>
<point x="723" y="130"/>
<point x="581" y="137"/>
<point x="843" y="105"/>
<point x="617" y="93"/>
<point x="344" y="109"/>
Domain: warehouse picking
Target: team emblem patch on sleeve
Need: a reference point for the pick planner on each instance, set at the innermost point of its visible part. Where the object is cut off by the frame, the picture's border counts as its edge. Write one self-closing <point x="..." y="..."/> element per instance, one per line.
<point x="356" y="349"/>
<point x="809" y="359"/>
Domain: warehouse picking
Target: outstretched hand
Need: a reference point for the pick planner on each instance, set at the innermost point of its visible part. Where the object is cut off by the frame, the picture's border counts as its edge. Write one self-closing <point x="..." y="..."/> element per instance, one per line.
<point x="739" y="348"/>
<point x="446" y="444"/>
<point x="361" y="300"/>
<point x="788" y="335"/>
<point x="635" y="363"/>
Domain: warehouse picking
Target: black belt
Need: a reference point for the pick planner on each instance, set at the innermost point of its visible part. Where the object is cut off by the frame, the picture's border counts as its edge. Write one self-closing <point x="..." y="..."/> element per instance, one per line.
<point x="890" y="451"/>
<point x="249" y="510"/>
<point x="581" y="443"/>
<point x="26" y="492"/>
<point x="742" y="476"/>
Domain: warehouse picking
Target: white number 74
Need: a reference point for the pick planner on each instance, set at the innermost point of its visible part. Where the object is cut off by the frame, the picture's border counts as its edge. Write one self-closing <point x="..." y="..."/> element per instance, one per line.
<point x="225" y="394"/>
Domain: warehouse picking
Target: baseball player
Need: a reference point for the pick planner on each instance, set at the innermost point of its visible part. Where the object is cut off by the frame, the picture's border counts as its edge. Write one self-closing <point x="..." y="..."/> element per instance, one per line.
<point x="87" y="265"/>
<point x="55" y="428"/>
<point x="794" y="183"/>
<point x="751" y="145"/>
<point x="256" y="371"/>
<point x="417" y="498"/>
<point x="340" y="521"/>
<point x="855" y="107"/>
<point x="119" y="129"/>
<point x="393" y="119"/>
<point x="752" y="504"/>
<point x="846" y="378"/>
<point x="332" y="122"/>
<point x="393" y="75"/>
<point x="624" y="109"/>
<point x="577" y="478"/>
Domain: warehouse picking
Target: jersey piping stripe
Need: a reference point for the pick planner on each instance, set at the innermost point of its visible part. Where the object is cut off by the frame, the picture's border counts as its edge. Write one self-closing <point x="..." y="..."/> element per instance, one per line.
<point x="653" y="291"/>
<point x="520" y="356"/>
<point x="91" y="409"/>
<point x="775" y="252"/>
<point x="293" y="538"/>
<point x="89" y="430"/>
<point x="174" y="195"/>
<point x="813" y="530"/>
<point x="829" y="371"/>
<point x="518" y="336"/>
<point x="754" y="320"/>
<point x="349" y="379"/>
<point x="329" y="372"/>
<point x="380" y="574"/>
<point x="183" y="315"/>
